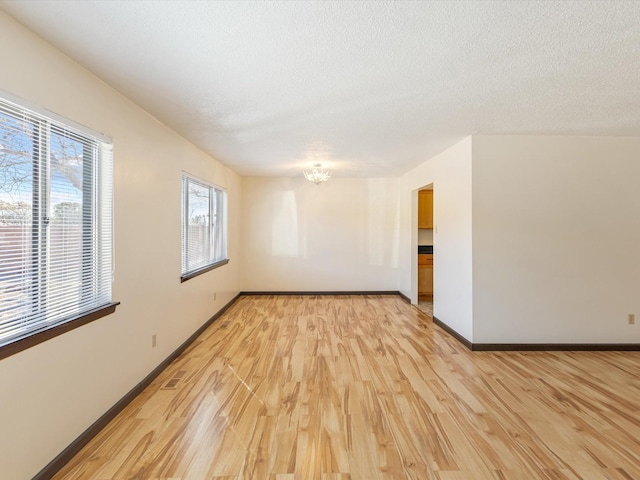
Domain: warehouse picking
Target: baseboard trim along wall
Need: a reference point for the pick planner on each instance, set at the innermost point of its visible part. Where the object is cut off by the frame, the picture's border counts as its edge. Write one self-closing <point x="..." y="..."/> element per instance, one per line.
<point x="404" y="297"/>
<point x="538" y="347"/>
<point x="74" y="447"/>
<point x="453" y="333"/>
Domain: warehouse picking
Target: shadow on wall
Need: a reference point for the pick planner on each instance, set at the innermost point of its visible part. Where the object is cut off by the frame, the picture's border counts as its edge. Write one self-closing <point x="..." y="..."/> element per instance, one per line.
<point x="343" y="218"/>
<point x="284" y="229"/>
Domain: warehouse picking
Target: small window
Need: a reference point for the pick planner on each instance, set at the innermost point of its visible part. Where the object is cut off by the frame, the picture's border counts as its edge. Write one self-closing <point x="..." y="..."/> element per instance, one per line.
<point x="55" y="224"/>
<point x="204" y="227"/>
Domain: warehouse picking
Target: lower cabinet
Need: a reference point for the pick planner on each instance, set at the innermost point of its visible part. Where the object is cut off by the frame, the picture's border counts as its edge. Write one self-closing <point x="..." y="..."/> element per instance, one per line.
<point x="425" y="276"/>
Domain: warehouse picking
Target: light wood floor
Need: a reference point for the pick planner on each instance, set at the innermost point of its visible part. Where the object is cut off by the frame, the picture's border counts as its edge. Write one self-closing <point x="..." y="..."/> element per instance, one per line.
<point x="426" y="306"/>
<point x="352" y="387"/>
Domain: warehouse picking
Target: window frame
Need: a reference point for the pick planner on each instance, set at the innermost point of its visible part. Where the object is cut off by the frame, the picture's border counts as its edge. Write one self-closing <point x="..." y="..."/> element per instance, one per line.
<point x="217" y="223"/>
<point x="39" y="326"/>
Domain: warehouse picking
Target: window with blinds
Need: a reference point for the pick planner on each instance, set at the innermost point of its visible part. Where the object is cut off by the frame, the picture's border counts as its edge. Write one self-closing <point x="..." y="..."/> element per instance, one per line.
<point x="55" y="222"/>
<point x="204" y="228"/>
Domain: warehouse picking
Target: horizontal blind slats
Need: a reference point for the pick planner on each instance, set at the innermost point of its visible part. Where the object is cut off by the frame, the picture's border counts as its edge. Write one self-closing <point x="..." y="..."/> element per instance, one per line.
<point x="55" y="221"/>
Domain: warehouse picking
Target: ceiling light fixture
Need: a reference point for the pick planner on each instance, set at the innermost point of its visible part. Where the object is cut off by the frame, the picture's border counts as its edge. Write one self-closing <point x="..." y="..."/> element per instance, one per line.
<point x="317" y="175"/>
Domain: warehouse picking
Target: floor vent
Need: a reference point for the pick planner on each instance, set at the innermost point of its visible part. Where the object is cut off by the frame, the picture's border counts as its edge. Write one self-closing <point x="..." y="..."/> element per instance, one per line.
<point x="171" y="384"/>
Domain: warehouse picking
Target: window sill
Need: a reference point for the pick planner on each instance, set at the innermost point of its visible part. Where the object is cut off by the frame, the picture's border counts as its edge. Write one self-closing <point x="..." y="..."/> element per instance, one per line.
<point x="47" y="333"/>
<point x="200" y="271"/>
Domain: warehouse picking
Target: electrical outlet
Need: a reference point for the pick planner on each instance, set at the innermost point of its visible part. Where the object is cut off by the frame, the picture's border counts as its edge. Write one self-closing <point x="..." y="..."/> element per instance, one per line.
<point x="214" y="295"/>
<point x="153" y="340"/>
<point x="632" y="319"/>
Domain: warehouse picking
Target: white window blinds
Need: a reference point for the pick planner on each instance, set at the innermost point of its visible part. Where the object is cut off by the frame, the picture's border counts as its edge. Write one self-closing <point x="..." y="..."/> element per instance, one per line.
<point x="55" y="222"/>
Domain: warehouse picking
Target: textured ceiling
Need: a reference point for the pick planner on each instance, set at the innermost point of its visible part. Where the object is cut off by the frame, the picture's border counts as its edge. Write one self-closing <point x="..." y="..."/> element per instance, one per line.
<point x="367" y="88"/>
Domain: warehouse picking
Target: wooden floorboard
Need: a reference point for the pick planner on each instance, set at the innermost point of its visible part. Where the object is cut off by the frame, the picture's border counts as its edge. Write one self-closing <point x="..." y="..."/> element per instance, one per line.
<point x="368" y="388"/>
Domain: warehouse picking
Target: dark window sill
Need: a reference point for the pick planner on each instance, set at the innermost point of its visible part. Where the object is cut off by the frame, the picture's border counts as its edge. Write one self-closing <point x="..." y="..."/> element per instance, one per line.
<point x="200" y="271"/>
<point x="47" y="333"/>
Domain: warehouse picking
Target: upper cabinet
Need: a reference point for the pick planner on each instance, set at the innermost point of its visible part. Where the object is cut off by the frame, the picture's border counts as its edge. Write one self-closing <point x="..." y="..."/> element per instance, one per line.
<point x="425" y="209"/>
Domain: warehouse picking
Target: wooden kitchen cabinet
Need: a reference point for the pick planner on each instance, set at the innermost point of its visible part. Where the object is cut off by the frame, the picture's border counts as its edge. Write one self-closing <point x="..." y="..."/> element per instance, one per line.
<point x="425" y="276"/>
<point x="425" y="209"/>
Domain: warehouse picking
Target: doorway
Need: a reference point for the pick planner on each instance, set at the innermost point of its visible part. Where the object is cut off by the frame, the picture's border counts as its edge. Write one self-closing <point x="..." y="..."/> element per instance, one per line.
<point x="425" y="250"/>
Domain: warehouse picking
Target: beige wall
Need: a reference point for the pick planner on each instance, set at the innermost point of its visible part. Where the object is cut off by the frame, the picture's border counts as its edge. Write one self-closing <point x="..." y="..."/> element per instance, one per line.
<point x="556" y="239"/>
<point x="51" y="393"/>
<point x="450" y="175"/>
<point x="338" y="236"/>
<point x="536" y="238"/>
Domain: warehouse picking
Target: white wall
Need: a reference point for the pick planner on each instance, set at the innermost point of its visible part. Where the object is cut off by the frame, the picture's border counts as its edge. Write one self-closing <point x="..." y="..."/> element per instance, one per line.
<point x="425" y="236"/>
<point x="450" y="174"/>
<point x="556" y="239"/>
<point x="52" y="392"/>
<point x="339" y="236"/>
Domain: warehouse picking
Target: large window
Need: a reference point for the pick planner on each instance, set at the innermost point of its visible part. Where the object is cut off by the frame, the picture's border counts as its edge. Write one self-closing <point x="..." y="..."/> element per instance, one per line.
<point x="204" y="227"/>
<point x="55" y="224"/>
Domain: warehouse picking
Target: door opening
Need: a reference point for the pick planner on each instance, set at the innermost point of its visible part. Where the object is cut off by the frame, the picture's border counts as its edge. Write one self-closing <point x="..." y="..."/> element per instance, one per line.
<point x="425" y="250"/>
